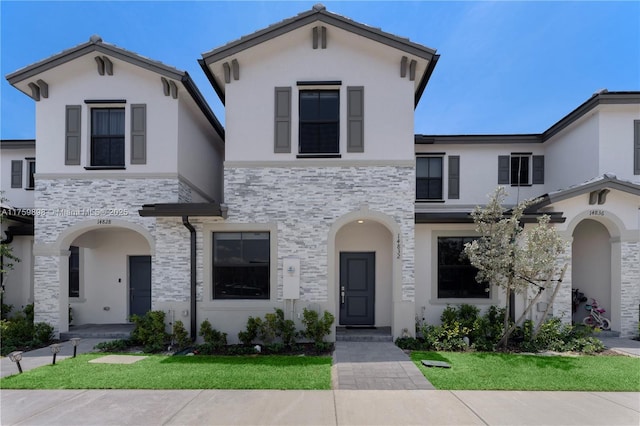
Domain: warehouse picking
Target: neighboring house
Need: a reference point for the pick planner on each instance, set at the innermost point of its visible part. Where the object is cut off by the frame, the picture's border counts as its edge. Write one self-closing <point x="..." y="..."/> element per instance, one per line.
<point x="317" y="194"/>
<point x="585" y="168"/>
<point x="18" y="165"/>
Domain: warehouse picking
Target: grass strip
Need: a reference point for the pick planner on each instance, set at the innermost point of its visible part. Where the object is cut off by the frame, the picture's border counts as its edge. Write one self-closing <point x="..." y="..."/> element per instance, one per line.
<point x="501" y="371"/>
<point x="180" y="372"/>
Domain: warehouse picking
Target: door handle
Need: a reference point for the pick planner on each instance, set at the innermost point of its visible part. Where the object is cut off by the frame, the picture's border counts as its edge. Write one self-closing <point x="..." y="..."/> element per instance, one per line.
<point x="342" y="294"/>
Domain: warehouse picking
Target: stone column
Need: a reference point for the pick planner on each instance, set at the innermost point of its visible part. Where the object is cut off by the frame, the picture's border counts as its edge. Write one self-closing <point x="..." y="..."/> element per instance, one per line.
<point x="629" y="288"/>
<point x="50" y="288"/>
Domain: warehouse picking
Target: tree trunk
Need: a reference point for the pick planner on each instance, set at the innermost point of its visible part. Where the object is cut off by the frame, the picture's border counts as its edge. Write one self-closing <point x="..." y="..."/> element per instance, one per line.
<point x="553" y="298"/>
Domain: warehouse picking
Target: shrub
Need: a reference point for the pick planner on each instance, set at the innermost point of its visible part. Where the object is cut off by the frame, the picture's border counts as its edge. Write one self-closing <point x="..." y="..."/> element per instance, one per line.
<point x="42" y="333"/>
<point x="410" y="343"/>
<point x="180" y="337"/>
<point x="268" y="328"/>
<point x="555" y="336"/>
<point x="118" y="345"/>
<point x="19" y="332"/>
<point x="214" y="339"/>
<point x="251" y="332"/>
<point x="317" y="328"/>
<point x="6" y="310"/>
<point x="286" y="329"/>
<point x="150" y="331"/>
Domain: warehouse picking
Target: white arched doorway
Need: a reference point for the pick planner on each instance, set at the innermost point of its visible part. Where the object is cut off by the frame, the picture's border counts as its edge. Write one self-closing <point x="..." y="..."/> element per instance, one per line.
<point x="591" y="265"/>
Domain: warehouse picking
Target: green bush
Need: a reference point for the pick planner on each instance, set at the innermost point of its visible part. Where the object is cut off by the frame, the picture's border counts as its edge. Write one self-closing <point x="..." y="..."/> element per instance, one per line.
<point x="410" y="343"/>
<point x="118" y="345"/>
<point x="251" y="332"/>
<point x="150" y="331"/>
<point x="316" y="328"/>
<point x="286" y="329"/>
<point x="555" y="336"/>
<point x="180" y="337"/>
<point x="268" y="328"/>
<point x="6" y="310"/>
<point x="213" y="339"/>
<point x="20" y="333"/>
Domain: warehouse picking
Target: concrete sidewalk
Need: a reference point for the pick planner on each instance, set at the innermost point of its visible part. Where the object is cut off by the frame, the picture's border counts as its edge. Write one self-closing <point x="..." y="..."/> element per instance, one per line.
<point x="621" y="345"/>
<point x="337" y="407"/>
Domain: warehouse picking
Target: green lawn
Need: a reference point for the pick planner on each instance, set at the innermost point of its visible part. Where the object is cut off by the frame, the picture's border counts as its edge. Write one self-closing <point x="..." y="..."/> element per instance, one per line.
<point x="498" y="371"/>
<point x="180" y="372"/>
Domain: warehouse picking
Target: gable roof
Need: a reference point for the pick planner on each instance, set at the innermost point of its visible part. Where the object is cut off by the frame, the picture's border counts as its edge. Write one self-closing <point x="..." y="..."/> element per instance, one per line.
<point x="604" y="182"/>
<point x="319" y="13"/>
<point x="603" y="97"/>
<point x="95" y="44"/>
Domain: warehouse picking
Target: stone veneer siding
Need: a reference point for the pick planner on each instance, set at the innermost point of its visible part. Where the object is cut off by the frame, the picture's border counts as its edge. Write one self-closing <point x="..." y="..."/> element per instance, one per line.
<point x="65" y="202"/>
<point x="630" y="288"/>
<point x="306" y="201"/>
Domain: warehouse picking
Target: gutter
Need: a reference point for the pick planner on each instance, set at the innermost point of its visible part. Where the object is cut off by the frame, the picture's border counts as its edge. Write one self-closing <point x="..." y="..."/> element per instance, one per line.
<point x="192" y="231"/>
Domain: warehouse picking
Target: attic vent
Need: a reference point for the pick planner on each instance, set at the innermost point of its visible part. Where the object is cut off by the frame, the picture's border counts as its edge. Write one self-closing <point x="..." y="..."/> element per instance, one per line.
<point x="104" y="64"/>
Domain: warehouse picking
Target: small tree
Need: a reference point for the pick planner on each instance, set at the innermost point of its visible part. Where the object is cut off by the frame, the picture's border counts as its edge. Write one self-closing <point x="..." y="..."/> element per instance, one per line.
<point x="510" y="256"/>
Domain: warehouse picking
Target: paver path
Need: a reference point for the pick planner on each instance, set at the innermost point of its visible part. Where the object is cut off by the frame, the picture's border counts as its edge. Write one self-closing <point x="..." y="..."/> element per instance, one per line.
<point x="375" y="365"/>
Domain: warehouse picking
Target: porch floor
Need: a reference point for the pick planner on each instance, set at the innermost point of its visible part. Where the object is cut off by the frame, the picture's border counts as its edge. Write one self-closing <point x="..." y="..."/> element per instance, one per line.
<point x="99" y="331"/>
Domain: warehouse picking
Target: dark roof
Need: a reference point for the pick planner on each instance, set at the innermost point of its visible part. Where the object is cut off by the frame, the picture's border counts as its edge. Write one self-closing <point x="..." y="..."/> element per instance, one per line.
<point x="607" y="181"/>
<point x="600" y="98"/>
<point x="17" y="143"/>
<point x="319" y="13"/>
<point x="95" y="44"/>
<point x="180" y="209"/>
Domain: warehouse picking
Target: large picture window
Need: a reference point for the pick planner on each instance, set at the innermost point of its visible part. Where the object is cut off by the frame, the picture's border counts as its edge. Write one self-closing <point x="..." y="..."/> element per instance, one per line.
<point x="319" y="122"/>
<point x="241" y="265"/>
<point x="456" y="275"/>
<point x="107" y="137"/>
<point x="429" y="178"/>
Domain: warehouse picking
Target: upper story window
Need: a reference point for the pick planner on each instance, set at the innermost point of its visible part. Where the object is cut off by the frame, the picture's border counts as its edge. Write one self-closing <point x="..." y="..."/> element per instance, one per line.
<point x="319" y="122"/>
<point x="429" y="178"/>
<point x="31" y="173"/>
<point x="107" y="137"/>
<point x="241" y="264"/>
<point x="520" y="169"/>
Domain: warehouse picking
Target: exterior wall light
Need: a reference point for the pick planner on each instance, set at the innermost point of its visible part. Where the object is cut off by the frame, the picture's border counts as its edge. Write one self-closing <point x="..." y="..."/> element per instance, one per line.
<point x="16" y="357"/>
<point x="75" y="341"/>
<point x="360" y="221"/>
<point x="55" y="348"/>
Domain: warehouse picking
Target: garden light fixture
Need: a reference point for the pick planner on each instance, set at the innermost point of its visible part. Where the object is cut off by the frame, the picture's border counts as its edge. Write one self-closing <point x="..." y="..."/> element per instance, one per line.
<point x="75" y="341"/>
<point x="16" y="357"/>
<point x="55" y="348"/>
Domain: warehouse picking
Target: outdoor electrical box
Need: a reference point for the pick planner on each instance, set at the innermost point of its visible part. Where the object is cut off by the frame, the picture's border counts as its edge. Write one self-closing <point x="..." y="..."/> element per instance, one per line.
<point x="291" y="278"/>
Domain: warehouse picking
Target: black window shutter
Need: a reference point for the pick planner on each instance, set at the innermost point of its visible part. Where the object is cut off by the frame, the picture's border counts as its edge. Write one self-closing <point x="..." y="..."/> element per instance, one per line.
<point x="16" y="173"/>
<point x="636" y="147"/>
<point x="282" y="140"/>
<point x="355" y="119"/>
<point x="454" y="177"/>
<point x="503" y="170"/>
<point x="538" y="169"/>
<point x="138" y="134"/>
<point x="72" y="135"/>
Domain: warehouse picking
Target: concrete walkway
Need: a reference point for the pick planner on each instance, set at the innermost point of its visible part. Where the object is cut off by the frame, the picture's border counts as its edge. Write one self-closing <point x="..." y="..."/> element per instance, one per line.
<point x="375" y="365"/>
<point x="337" y="407"/>
<point x="622" y="345"/>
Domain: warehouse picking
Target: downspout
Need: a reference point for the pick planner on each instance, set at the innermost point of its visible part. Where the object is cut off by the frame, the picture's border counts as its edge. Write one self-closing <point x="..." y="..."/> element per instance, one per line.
<point x="192" y="231"/>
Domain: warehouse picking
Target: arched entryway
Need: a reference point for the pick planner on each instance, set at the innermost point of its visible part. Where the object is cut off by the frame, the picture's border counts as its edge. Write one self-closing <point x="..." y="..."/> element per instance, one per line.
<point x="108" y="272"/>
<point x="591" y="265"/>
<point x="365" y="269"/>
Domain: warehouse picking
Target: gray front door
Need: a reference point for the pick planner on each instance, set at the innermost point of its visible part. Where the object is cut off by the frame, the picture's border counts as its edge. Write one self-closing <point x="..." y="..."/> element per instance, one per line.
<point x="139" y="285"/>
<point x="357" y="288"/>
